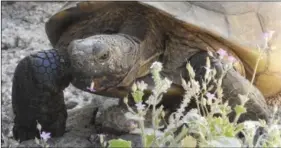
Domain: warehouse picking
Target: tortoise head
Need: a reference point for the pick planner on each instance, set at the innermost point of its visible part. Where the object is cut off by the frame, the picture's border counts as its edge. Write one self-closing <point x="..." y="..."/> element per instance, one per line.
<point x="109" y="50"/>
<point x="103" y="60"/>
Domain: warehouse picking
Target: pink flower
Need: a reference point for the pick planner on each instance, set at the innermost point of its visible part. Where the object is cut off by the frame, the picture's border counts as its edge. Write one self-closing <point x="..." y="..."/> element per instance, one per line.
<point x="231" y="59"/>
<point x="268" y="35"/>
<point x="210" y="96"/>
<point x="222" y="52"/>
<point x="45" y="136"/>
<point x="140" y="106"/>
<point x="92" y="87"/>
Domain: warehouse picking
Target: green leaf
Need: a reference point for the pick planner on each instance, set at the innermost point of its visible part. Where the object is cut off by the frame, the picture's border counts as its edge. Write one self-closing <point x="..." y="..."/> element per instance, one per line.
<point x="229" y="131"/>
<point x="149" y="140"/>
<point x="119" y="143"/>
<point x="137" y="95"/>
<point x="240" y="109"/>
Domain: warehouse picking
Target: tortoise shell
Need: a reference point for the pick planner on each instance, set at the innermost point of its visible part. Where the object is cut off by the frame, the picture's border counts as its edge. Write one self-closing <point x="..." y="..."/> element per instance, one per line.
<point x="248" y="30"/>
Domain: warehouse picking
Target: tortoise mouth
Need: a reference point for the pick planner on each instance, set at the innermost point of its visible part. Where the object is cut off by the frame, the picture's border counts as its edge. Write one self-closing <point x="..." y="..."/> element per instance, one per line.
<point x="105" y="83"/>
<point x="95" y="84"/>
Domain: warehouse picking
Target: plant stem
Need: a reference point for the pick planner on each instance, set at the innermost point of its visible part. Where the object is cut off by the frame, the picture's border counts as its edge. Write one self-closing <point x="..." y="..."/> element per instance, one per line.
<point x="141" y="123"/>
<point x="255" y="71"/>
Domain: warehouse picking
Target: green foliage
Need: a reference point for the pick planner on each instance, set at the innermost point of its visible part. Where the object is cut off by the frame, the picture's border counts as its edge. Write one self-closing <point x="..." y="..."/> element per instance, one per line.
<point x="198" y="127"/>
<point x="119" y="143"/>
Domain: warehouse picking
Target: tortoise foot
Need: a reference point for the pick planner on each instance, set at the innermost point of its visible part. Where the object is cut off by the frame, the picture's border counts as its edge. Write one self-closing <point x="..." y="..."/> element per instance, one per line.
<point x="37" y="95"/>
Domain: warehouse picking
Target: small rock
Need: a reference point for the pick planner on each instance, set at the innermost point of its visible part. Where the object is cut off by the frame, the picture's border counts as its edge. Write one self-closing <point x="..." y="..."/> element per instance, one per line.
<point x="71" y="104"/>
<point x="86" y="99"/>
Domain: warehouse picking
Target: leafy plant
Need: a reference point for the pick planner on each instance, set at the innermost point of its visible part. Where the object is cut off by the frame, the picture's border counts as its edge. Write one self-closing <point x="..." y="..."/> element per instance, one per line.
<point x="199" y="126"/>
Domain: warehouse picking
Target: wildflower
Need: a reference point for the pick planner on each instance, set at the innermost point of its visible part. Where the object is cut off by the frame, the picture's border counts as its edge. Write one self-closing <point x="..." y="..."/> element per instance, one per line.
<point x="157" y="66"/>
<point x="210" y="97"/>
<point x="231" y="59"/>
<point x="268" y="35"/>
<point x="91" y="88"/>
<point x="141" y="86"/>
<point x="45" y="135"/>
<point x="222" y="52"/>
<point x="140" y="106"/>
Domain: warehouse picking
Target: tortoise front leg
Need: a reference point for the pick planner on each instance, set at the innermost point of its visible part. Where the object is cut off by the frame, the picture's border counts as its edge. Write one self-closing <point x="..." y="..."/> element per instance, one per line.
<point x="37" y="95"/>
<point x="233" y="84"/>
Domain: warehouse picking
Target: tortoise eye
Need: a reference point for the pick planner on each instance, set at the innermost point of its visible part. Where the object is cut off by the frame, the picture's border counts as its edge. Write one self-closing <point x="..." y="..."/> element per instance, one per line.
<point x="101" y="52"/>
<point x="104" y="56"/>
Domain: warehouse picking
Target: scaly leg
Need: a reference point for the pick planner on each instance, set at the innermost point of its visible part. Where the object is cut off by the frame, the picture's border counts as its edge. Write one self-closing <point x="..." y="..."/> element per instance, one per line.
<point x="37" y="94"/>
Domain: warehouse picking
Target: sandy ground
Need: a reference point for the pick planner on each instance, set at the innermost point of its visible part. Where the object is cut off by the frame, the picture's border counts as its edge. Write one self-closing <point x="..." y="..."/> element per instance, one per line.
<point x="23" y="33"/>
